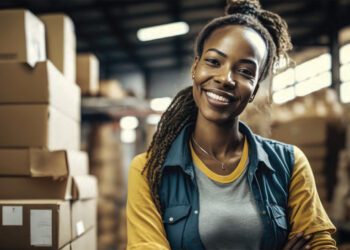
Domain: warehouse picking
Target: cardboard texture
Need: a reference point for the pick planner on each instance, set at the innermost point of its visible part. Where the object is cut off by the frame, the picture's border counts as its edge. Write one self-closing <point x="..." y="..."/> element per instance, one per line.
<point x="77" y="187"/>
<point x="112" y="89"/>
<point x="88" y="73"/>
<point x="22" y="37"/>
<point x="67" y="247"/>
<point x="43" y="163"/>
<point x="84" y="216"/>
<point x="42" y="85"/>
<point x="318" y="152"/>
<point x="86" y="241"/>
<point x="40" y="126"/>
<point x="304" y="131"/>
<point x="61" y="43"/>
<point x="35" y="230"/>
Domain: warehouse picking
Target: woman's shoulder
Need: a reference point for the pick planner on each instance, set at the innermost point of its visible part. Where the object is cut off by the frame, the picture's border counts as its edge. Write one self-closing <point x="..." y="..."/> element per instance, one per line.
<point x="269" y="142"/>
<point x="139" y="161"/>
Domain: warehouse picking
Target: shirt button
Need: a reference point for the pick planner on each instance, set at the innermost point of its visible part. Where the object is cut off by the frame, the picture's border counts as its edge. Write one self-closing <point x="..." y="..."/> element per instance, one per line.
<point x="195" y="211"/>
<point x="263" y="212"/>
<point x="171" y="219"/>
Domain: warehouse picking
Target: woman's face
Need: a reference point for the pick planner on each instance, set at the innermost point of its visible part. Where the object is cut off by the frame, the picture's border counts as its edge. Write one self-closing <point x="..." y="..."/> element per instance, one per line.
<point x="227" y="73"/>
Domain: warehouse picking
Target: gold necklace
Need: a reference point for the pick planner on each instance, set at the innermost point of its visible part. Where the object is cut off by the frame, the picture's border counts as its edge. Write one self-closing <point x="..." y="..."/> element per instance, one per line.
<point x="204" y="151"/>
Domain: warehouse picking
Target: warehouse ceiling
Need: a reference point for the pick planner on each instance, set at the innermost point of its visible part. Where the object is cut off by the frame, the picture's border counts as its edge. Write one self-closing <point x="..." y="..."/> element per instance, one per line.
<point x="108" y="27"/>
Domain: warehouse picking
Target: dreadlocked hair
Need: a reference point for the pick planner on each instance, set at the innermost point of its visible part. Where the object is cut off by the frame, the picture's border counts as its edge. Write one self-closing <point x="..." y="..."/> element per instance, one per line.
<point x="183" y="109"/>
<point x="180" y="112"/>
<point x="271" y="27"/>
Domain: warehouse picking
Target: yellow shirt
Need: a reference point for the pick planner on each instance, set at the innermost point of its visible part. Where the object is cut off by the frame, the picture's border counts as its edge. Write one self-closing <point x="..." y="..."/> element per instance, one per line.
<point x="145" y="228"/>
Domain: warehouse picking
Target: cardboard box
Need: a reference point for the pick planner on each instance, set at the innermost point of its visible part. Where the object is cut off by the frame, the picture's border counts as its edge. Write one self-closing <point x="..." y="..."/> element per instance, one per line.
<point x="77" y="187"/>
<point x="84" y="216"/>
<point x="61" y="43"/>
<point x="88" y="73"/>
<point x="40" y="126"/>
<point x="22" y="37"/>
<point x="303" y="131"/>
<point x="87" y="241"/>
<point x="66" y="247"/>
<point x="317" y="152"/>
<point x="112" y="89"/>
<point x="43" y="163"/>
<point x="42" y="85"/>
<point x="318" y="166"/>
<point x="34" y="224"/>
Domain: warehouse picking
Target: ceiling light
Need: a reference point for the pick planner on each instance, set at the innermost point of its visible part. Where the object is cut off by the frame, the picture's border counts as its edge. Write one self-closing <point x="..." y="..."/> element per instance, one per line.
<point x="153" y="119"/>
<point x="344" y="92"/>
<point x="129" y="122"/>
<point x="284" y="95"/>
<point x="160" y="104"/>
<point x="128" y="135"/>
<point x="283" y="79"/>
<point x="162" y="31"/>
<point x="313" y="84"/>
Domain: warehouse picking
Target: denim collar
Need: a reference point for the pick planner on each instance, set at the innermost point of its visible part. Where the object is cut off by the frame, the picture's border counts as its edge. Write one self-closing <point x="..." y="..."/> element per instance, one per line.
<point x="179" y="153"/>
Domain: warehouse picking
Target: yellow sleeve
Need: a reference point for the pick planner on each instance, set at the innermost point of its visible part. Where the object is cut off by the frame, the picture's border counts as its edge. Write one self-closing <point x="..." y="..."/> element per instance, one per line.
<point x="145" y="228"/>
<point x="306" y="212"/>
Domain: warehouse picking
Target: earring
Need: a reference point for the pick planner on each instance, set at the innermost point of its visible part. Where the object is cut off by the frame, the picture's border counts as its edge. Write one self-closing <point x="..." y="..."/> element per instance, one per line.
<point x="192" y="76"/>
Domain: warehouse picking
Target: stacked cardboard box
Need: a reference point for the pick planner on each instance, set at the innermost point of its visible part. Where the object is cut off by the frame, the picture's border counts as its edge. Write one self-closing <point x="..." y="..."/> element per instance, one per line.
<point x="112" y="89"/>
<point x="26" y="40"/>
<point x="106" y="165"/>
<point x="88" y="73"/>
<point x="311" y="124"/>
<point x="48" y="200"/>
<point x="321" y="141"/>
<point x="341" y="202"/>
<point x="61" y="43"/>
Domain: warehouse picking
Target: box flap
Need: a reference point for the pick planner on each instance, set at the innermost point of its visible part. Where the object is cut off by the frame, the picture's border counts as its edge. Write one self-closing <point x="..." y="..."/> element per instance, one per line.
<point x="42" y="85"/>
<point x="86" y="241"/>
<point x="43" y="163"/>
<point x="84" y="216"/>
<point x="84" y="187"/>
<point x="14" y="188"/>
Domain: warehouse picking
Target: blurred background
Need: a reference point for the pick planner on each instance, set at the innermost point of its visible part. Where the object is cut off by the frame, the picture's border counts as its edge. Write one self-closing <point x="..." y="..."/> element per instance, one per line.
<point x="130" y="58"/>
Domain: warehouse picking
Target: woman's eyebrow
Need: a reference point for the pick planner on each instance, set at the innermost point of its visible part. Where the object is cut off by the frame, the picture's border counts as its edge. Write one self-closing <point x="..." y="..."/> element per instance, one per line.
<point x="217" y="51"/>
<point x="249" y="61"/>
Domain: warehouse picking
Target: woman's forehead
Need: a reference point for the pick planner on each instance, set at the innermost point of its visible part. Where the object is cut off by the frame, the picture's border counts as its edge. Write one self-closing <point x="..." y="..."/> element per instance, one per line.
<point x="230" y="38"/>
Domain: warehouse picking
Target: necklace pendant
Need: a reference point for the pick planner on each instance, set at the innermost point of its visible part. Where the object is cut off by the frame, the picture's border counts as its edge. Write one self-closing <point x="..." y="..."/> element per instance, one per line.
<point x="222" y="166"/>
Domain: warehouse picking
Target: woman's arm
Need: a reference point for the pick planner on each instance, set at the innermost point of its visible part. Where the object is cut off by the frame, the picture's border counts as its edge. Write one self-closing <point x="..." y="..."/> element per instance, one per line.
<point x="305" y="209"/>
<point x="144" y="224"/>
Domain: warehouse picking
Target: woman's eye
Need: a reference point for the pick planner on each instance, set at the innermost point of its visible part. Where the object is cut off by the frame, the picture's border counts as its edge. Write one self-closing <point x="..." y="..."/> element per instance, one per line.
<point x="212" y="62"/>
<point x="247" y="73"/>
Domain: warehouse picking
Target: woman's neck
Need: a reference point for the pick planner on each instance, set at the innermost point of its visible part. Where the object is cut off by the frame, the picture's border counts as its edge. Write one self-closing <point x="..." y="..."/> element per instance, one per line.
<point x="220" y="140"/>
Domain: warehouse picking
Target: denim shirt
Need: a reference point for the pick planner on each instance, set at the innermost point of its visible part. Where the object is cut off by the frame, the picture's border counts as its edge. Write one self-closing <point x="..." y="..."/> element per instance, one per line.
<point x="269" y="172"/>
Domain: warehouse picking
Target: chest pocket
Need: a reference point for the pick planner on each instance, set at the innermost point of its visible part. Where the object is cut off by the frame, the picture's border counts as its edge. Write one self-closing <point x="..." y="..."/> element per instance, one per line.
<point x="280" y="222"/>
<point x="174" y="220"/>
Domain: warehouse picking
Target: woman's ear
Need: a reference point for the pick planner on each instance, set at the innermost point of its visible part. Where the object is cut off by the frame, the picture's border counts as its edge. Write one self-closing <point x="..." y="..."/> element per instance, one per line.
<point x="194" y="66"/>
<point x="254" y="92"/>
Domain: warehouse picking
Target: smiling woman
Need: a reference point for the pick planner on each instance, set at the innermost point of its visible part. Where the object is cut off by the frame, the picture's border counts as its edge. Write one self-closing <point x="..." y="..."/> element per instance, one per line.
<point x="207" y="181"/>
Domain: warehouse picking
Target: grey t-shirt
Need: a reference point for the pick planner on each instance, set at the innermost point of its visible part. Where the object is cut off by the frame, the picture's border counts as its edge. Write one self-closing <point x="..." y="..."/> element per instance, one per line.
<point x="228" y="216"/>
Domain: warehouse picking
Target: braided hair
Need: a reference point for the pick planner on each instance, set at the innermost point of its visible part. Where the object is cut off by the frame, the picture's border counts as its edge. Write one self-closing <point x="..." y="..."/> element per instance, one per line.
<point x="183" y="109"/>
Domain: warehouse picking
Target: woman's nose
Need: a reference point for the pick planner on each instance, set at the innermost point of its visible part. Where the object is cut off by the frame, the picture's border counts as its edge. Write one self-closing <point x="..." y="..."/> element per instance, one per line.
<point x="226" y="77"/>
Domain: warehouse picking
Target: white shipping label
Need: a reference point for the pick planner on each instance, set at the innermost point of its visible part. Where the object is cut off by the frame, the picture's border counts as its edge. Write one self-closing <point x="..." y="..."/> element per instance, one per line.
<point x="41" y="227"/>
<point x="12" y="216"/>
<point x="80" y="228"/>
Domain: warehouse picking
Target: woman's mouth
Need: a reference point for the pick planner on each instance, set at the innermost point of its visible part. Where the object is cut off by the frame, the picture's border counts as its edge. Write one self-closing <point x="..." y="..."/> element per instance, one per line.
<point x="216" y="97"/>
<point x="219" y="99"/>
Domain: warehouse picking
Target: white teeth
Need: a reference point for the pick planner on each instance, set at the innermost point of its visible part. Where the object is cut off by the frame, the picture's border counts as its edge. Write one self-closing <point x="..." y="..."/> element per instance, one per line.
<point x="217" y="97"/>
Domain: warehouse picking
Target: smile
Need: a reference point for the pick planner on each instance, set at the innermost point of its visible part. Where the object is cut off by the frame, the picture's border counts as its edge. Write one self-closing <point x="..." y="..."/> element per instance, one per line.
<point x="217" y="97"/>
